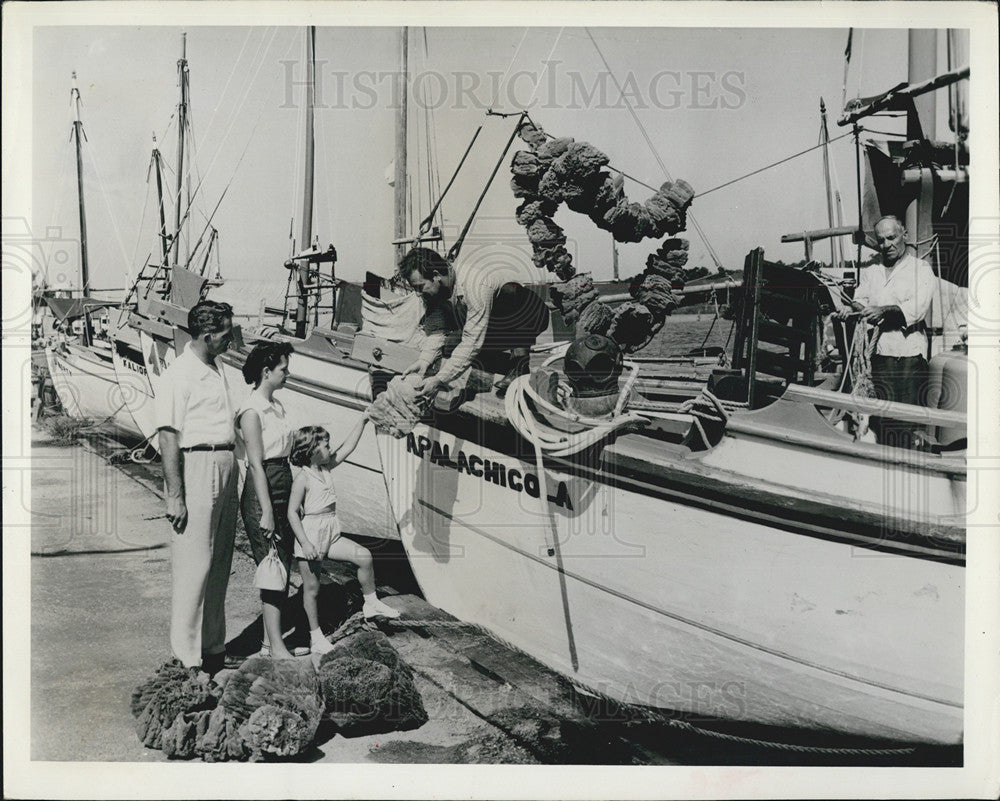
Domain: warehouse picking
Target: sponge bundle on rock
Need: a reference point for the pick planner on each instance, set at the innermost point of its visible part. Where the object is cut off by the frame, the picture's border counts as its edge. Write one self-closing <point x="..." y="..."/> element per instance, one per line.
<point x="171" y="692"/>
<point x="563" y="170"/>
<point x="273" y="708"/>
<point x="368" y="688"/>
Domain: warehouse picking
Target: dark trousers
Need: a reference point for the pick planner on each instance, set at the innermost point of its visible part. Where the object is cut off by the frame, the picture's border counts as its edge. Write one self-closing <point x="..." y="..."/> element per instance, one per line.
<point x="279" y="484"/>
<point x="901" y="379"/>
<point x="517" y="317"/>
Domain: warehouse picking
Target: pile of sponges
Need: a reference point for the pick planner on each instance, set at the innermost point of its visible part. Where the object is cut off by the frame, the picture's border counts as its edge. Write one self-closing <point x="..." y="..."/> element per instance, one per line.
<point x="556" y="171"/>
<point x="267" y="709"/>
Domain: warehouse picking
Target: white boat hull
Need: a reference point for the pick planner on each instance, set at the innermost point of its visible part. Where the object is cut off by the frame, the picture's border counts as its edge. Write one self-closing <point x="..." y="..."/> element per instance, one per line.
<point x="84" y="379"/>
<point x="682" y="606"/>
<point x="137" y="391"/>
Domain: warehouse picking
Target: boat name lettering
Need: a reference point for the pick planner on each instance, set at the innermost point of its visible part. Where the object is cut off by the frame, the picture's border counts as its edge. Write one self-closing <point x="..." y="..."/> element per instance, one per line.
<point x="133" y="366"/>
<point x="486" y="469"/>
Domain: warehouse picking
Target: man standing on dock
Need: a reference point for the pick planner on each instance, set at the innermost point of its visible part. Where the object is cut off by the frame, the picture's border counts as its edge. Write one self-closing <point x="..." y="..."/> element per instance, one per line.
<point x="195" y="421"/>
<point x="895" y="296"/>
<point x="500" y="317"/>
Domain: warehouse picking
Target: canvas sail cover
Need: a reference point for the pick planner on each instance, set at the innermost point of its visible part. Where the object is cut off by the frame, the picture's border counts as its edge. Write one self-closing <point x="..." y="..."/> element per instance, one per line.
<point x="185" y="287"/>
<point x="394" y="317"/>
<point x="71" y="308"/>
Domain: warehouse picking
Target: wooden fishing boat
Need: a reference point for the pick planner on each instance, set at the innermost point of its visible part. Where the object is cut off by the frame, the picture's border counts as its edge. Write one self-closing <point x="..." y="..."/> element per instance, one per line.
<point x="89" y="389"/>
<point x="81" y="368"/>
<point x="727" y="581"/>
<point x="752" y="562"/>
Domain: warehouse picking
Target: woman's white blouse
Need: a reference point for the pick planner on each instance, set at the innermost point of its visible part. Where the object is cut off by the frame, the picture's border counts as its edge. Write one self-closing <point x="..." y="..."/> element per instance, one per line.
<point x="275" y="428"/>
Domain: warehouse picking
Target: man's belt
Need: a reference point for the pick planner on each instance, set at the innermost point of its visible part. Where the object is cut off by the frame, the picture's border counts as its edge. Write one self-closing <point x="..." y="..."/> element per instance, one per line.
<point x="225" y="446"/>
<point x="918" y="326"/>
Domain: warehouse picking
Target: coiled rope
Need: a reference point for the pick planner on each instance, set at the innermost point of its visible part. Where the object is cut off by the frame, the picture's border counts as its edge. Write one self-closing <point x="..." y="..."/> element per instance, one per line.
<point x="552" y="442"/>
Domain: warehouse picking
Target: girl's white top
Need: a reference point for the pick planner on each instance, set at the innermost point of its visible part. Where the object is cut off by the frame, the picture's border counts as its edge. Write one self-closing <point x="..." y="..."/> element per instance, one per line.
<point x="321" y="495"/>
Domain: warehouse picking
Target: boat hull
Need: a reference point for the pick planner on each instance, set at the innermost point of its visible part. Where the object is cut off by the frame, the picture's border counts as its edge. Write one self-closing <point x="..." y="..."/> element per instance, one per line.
<point x="132" y="377"/>
<point x="88" y="389"/>
<point x="684" y="607"/>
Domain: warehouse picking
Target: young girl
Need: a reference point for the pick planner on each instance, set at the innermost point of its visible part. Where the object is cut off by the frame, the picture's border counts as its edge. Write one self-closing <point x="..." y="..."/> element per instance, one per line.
<point x="312" y="513"/>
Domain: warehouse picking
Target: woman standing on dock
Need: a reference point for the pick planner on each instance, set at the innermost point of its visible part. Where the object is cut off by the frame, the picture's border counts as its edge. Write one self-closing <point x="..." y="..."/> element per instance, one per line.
<point x="267" y="437"/>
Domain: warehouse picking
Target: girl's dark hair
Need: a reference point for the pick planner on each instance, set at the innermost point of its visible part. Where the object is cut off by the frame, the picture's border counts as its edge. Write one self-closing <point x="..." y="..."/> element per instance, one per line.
<point x="425" y="261"/>
<point x="304" y="444"/>
<point x="264" y="354"/>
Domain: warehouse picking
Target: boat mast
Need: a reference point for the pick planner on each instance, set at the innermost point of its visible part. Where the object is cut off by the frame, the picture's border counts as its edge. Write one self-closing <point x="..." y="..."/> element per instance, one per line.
<point x="302" y="309"/>
<point x="921" y="124"/>
<point x="78" y="135"/>
<point x="399" y="178"/>
<point x="158" y="167"/>
<point x="182" y="73"/>
<point x="836" y="260"/>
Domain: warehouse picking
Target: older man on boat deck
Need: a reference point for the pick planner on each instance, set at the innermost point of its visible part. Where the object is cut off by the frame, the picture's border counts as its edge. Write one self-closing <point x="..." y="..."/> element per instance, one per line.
<point x="195" y="419"/>
<point x="895" y="296"/>
<point x="500" y="317"/>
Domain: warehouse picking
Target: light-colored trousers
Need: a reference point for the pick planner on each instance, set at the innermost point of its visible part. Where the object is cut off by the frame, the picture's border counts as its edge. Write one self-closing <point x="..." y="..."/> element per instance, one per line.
<point x="202" y="556"/>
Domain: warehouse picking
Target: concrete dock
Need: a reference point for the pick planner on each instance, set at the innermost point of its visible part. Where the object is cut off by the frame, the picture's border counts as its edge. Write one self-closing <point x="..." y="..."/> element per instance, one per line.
<point x="100" y="595"/>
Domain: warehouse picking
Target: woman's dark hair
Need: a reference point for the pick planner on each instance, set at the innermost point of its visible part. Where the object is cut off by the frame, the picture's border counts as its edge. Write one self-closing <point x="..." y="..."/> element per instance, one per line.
<point x="207" y="317"/>
<point x="304" y="443"/>
<point x="425" y="261"/>
<point x="264" y="354"/>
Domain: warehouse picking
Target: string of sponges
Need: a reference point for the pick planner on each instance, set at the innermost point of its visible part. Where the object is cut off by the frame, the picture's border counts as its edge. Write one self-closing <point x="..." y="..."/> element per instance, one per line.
<point x="556" y="171"/>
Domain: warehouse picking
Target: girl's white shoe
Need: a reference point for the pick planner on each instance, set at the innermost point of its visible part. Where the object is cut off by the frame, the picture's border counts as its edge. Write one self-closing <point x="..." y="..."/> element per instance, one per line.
<point x="320" y="644"/>
<point x="375" y="608"/>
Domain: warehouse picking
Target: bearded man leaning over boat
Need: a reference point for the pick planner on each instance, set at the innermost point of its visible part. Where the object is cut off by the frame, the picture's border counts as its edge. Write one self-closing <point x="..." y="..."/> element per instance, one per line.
<point x="895" y="296"/>
<point x="500" y="317"/>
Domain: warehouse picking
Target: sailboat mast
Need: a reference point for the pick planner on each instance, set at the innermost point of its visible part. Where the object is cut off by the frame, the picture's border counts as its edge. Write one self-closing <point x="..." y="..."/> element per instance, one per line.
<point x="835" y="262"/>
<point x="78" y="135"/>
<point x="157" y="166"/>
<point x="921" y="123"/>
<point x="310" y="152"/>
<point x="399" y="178"/>
<point x="302" y="310"/>
<point x="181" y="125"/>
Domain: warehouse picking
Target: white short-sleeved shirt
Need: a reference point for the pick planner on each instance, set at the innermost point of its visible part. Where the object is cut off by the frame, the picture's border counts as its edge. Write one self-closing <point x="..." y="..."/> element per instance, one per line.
<point x="275" y="429"/>
<point x="909" y="284"/>
<point x="194" y="400"/>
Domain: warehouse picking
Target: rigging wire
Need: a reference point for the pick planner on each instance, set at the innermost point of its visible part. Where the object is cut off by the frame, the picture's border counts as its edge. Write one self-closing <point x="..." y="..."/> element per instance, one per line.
<point x="769" y="166"/>
<point x="861" y="60"/>
<point x="649" y="142"/>
<point x="299" y="163"/>
<point x="547" y="62"/>
<point x="233" y="118"/>
<point x="225" y="88"/>
<point x="510" y="66"/>
<point x="884" y="133"/>
<point x="435" y="175"/>
<point x="107" y="203"/>
<point x="63" y="174"/>
<point x="327" y="170"/>
<point x="139" y="235"/>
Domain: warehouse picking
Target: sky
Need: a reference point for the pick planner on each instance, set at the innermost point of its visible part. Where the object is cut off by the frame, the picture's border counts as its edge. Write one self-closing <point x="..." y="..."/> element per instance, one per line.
<point x="707" y="104"/>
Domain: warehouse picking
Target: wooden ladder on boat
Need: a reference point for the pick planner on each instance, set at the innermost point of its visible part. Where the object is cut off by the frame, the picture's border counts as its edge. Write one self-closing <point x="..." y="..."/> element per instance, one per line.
<point x="780" y="309"/>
